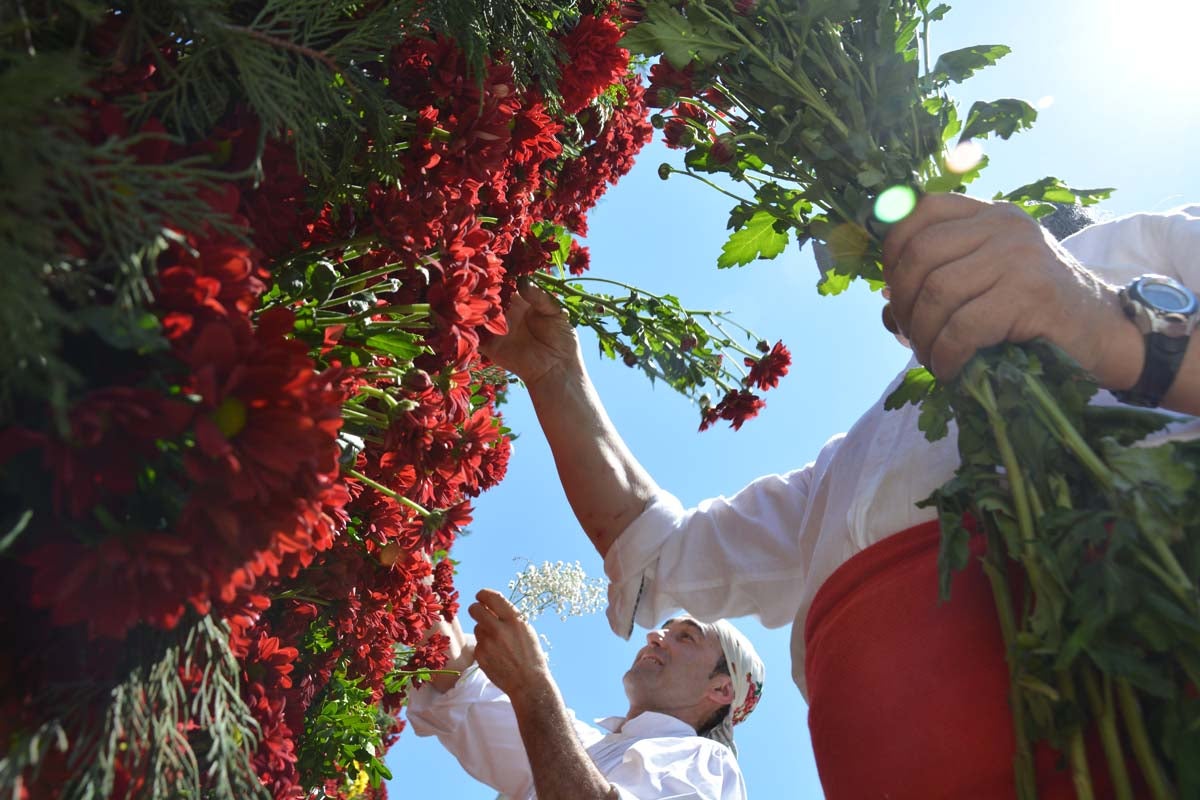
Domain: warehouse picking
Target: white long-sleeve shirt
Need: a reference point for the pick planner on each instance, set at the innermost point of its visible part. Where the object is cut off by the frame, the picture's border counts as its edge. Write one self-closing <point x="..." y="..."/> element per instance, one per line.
<point x="650" y="757"/>
<point x="767" y="550"/>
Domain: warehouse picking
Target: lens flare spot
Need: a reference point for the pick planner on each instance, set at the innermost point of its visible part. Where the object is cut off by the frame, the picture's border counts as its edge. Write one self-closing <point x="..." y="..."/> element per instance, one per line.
<point x="895" y="204"/>
<point x="964" y="157"/>
<point x="1045" y="102"/>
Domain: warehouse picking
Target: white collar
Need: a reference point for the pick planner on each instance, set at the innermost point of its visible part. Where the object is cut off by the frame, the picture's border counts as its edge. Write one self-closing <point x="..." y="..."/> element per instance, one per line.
<point x="646" y="725"/>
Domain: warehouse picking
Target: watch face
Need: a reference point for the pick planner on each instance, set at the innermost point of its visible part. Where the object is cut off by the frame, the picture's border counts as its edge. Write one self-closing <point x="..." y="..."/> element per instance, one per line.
<point x="1166" y="297"/>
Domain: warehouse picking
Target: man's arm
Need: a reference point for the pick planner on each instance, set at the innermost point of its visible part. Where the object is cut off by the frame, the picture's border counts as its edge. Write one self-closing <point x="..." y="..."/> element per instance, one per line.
<point x="460" y="654"/>
<point x="966" y="274"/>
<point x="508" y="653"/>
<point x="606" y="486"/>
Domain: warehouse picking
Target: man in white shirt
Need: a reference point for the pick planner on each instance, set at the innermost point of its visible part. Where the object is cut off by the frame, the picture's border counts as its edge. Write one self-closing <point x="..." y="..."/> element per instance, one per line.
<point x="963" y="274"/>
<point x="499" y="711"/>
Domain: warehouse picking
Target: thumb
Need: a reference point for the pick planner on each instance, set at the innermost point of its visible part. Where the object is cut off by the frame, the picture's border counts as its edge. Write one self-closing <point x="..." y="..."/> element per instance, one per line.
<point x="540" y="300"/>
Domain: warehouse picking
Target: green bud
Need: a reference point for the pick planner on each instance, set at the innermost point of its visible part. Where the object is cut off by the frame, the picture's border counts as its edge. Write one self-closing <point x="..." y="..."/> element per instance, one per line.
<point x="664" y="171"/>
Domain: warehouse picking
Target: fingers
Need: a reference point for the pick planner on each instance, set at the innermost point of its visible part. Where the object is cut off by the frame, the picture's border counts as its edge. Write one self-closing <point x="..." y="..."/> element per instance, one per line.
<point x="931" y="209"/>
<point x="970" y="328"/>
<point x="924" y="253"/>
<point x="944" y="292"/>
<point x="538" y="299"/>
<point x="497" y="604"/>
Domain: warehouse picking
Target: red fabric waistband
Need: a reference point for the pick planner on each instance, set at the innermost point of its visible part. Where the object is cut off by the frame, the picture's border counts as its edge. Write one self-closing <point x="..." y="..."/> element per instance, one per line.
<point x="908" y="696"/>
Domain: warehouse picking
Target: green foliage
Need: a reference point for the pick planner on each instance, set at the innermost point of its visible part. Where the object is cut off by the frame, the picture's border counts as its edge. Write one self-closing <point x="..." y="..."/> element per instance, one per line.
<point x="690" y="350"/>
<point x="83" y="218"/>
<point x="757" y="238"/>
<point x="958" y="65"/>
<point x="343" y="735"/>
<point x="829" y="105"/>
<point x="143" y="726"/>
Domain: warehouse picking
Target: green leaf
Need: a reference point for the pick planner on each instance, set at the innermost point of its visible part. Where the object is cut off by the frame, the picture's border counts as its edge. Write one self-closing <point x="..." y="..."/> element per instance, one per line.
<point x="1053" y="190"/>
<point x="917" y="384"/>
<point x="679" y="39"/>
<point x="403" y="346"/>
<point x="958" y="65"/>
<point x="757" y="239"/>
<point x="321" y="278"/>
<point x="1001" y="117"/>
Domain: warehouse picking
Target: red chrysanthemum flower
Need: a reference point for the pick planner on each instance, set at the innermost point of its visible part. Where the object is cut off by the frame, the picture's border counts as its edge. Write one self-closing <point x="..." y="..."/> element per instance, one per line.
<point x="765" y="372"/>
<point x="595" y="61"/>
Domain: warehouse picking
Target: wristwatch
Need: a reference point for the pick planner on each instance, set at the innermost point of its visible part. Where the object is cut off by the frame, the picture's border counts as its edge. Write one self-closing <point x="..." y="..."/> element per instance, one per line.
<point x="1166" y="312"/>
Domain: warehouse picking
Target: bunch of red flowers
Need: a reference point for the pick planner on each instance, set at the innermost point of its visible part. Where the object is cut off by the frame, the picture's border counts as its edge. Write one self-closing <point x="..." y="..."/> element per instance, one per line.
<point x="295" y="455"/>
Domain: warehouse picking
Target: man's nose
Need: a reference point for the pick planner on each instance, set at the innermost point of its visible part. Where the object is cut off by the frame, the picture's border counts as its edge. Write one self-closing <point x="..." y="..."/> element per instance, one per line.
<point x="656" y="638"/>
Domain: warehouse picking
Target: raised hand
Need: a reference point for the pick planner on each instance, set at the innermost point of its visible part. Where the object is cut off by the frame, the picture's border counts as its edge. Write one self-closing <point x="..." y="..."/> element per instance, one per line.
<point x="506" y="646"/>
<point x="540" y="338"/>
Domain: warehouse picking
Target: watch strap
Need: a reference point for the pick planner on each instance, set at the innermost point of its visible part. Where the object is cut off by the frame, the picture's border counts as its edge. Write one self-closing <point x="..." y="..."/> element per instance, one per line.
<point x="1164" y="355"/>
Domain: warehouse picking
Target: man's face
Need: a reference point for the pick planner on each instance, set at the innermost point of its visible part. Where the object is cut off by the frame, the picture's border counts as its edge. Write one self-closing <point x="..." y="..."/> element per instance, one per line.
<point x="674" y="671"/>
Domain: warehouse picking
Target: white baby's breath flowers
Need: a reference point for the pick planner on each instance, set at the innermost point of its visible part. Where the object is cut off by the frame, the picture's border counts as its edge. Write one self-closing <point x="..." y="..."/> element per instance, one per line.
<point x="559" y="586"/>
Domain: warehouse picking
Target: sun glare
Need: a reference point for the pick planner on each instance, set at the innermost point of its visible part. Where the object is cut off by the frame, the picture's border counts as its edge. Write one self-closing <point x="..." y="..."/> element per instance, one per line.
<point x="1154" y="39"/>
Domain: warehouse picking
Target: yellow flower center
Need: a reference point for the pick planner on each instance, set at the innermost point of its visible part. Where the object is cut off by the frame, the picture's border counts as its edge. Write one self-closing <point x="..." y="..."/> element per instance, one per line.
<point x="230" y="417"/>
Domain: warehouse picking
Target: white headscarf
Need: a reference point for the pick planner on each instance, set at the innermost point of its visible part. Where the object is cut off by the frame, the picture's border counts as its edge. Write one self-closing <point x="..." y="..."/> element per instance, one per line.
<point x="747" y="672"/>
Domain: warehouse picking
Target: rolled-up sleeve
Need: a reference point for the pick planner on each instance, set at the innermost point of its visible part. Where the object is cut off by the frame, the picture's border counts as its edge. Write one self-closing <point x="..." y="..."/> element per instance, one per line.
<point x="728" y="557"/>
<point x="476" y="723"/>
<point x="676" y="769"/>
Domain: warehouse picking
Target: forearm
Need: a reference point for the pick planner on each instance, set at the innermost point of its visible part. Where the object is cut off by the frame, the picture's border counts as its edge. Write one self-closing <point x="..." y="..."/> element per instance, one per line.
<point x="460" y="654"/>
<point x="561" y="767"/>
<point x="606" y="486"/>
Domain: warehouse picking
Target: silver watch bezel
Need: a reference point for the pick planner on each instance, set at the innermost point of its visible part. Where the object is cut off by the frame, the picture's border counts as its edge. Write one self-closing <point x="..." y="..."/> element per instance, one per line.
<point x="1151" y="318"/>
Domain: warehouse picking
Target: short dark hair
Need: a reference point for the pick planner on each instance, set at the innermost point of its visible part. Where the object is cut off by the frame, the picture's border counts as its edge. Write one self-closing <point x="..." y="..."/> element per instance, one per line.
<point x="718" y="716"/>
<point x="1066" y="219"/>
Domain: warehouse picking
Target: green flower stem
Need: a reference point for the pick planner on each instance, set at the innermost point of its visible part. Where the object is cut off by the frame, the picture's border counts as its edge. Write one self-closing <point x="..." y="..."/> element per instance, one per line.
<point x="379" y="487"/>
<point x="1183" y="590"/>
<point x="735" y="346"/>
<point x="1139" y="739"/>
<point x="363" y="414"/>
<point x="563" y="285"/>
<point x="710" y="184"/>
<point x="1081" y="773"/>
<point x="350" y="280"/>
<point x="372" y="391"/>
<point x="1023" y="769"/>
<point x="977" y="383"/>
<point x="417" y="310"/>
<point x="296" y="594"/>
<point x="1067" y="432"/>
<point x="1105" y="714"/>
<point x="810" y="94"/>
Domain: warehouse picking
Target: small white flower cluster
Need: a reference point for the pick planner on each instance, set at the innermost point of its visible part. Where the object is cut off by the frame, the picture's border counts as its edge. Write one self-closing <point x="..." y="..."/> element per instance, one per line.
<point x="560" y="586"/>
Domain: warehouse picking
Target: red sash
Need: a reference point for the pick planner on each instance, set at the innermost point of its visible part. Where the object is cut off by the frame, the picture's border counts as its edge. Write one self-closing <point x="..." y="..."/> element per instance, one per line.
<point x="908" y="696"/>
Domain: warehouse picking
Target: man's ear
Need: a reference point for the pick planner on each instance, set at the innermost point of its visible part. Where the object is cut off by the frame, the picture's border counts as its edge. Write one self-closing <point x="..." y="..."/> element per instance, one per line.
<point x="720" y="690"/>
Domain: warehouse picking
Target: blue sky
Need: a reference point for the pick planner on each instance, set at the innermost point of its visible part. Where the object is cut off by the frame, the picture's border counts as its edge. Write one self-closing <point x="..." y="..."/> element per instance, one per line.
<point x="1118" y="82"/>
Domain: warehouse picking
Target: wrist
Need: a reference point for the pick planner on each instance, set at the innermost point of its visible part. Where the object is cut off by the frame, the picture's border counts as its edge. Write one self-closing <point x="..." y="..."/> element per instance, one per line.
<point x="563" y="375"/>
<point x="1122" y="346"/>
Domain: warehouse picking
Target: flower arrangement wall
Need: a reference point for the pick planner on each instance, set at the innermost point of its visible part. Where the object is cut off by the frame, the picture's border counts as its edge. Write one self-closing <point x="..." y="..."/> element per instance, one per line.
<point x="251" y="251"/>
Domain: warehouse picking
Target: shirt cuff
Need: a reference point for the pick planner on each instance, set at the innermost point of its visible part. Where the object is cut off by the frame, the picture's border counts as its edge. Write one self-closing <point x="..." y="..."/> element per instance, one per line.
<point x="472" y="681"/>
<point x="631" y="561"/>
